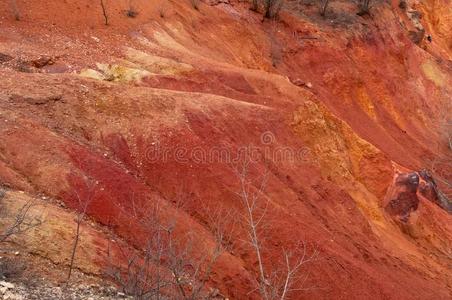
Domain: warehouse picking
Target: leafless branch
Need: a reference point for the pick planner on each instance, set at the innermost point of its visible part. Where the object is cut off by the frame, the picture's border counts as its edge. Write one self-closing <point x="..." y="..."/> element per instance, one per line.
<point x="166" y="266"/>
<point x="104" y="11"/>
<point x="324" y="7"/>
<point x="22" y="222"/>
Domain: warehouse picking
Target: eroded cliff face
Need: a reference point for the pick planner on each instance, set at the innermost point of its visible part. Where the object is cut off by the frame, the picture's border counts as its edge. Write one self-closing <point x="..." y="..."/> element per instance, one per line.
<point x="361" y="102"/>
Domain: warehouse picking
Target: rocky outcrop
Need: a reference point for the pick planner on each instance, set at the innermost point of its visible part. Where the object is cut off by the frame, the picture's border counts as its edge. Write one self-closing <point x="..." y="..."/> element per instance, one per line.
<point x="403" y="197"/>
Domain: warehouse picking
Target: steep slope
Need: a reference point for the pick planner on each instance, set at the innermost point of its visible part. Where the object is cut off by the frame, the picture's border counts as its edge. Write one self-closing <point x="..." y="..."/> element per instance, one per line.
<point x="335" y="109"/>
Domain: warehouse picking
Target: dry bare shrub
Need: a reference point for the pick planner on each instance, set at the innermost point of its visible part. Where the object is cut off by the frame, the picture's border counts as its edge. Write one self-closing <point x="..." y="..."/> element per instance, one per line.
<point x="22" y="223"/>
<point x="438" y="175"/>
<point x="162" y="11"/>
<point x="195" y="4"/>
<point x="15" y="9"/>
<point x="272" y="8"/>
<point x="364" y="7"/>
<point x="131" y="12"/>
<point x="166" y="266"/>
<point x="254" y="6"/>
<point x="324" y="7"/>
<point x="11" y="267"/>
<point x="439" y="167"/>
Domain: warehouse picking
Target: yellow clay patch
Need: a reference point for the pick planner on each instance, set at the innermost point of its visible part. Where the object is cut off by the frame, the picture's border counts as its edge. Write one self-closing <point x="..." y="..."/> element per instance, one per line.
<point x="434" y="73"/>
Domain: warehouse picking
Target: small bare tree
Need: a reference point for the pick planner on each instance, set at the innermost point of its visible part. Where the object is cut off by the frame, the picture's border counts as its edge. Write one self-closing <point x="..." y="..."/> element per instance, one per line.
<point x="84" y="196"/>
<point x="272" y="8"/>
<point x="254" y="5"/>
<point x="104" y="11"/>
<point x="279" y="283"/>
<point x="143" y="276"/>
<point x="324" y="7"/>
<point x="131" y="12"/>
<point x="162" y="11"/>
<point x="364" y="7"/>
<point x="23" y="222"/>
<point x="195" y="4"/>
<point x="15" y="9"/>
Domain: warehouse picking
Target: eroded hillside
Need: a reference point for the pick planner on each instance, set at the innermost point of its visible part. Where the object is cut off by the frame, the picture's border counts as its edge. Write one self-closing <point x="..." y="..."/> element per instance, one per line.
<point x="344" y="115"/>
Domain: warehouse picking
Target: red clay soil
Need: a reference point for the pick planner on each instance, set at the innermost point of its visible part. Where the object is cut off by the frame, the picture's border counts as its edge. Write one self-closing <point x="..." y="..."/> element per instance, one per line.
<point x="352" y="98"/>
